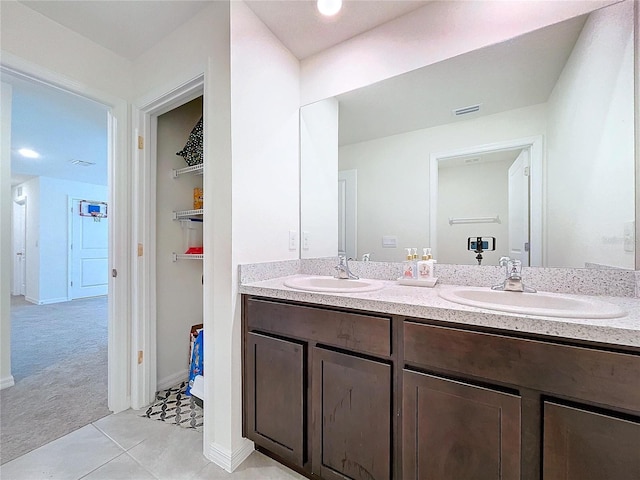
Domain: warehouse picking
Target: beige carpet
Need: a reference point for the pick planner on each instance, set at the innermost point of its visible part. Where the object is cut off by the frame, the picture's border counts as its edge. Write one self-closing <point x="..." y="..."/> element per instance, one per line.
<point x="59" y="362"/>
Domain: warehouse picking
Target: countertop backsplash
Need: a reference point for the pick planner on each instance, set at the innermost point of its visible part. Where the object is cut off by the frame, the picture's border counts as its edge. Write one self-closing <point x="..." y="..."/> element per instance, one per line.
<point x="582" y="281"/>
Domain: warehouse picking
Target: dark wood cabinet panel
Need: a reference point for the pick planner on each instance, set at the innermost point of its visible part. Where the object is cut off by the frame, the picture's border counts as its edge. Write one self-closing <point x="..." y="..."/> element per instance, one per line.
<point x="363" y="333"/>
<point x="352" y="417"/>
<point x="275" y="396"/>
<point x="583" y="445"/>
<point x="455" y="431"/>
<point x="607" y="378"/>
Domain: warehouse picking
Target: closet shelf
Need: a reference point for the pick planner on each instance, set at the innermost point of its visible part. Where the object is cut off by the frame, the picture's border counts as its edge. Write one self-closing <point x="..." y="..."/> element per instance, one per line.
<point x="187" y="256"/>
<point x="194" y="169"/>
<point x="187" y="213"/>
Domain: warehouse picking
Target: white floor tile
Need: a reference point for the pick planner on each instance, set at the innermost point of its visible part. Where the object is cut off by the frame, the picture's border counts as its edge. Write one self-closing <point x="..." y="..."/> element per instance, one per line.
<point x="120" y="468"/>
<point x="174" y="455"/>
<point x="129" y="428"/>
<point x="67" y="458"/>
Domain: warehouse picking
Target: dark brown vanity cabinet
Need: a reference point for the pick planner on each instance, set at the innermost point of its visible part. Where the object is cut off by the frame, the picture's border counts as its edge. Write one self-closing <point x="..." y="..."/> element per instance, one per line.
<point x="276" y="416"/>
<point x="318" y="388"/>
<point x="352" y="416"/>
<point x="579" y="444"/>
<point x="453" y="430"/>
<point x="488" y="406"/>
<point x="336" y="395"/>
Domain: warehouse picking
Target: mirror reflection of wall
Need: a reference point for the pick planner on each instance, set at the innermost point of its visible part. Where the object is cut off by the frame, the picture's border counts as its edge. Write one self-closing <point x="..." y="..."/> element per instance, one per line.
<point x="570" y="84"/>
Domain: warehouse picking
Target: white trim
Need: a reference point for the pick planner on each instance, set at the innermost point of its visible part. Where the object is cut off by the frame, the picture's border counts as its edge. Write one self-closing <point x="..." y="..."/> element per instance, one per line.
<point x="536" y="207"/>
<point x="173" y="380"/>
<point x="143" y="302"/>
<point x="227" y="459"/>
<point x="47" y="301"/>
<point x="118" y="198"/>
<point x="7" y="382"/>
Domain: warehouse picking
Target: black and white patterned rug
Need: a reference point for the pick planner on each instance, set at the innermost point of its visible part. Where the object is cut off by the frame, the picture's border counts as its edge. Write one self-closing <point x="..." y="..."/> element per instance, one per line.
<point x="173" y="406"/>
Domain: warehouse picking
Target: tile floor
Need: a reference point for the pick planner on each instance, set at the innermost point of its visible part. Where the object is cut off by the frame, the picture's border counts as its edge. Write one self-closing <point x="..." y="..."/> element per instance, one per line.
<point x="126" y="446"/>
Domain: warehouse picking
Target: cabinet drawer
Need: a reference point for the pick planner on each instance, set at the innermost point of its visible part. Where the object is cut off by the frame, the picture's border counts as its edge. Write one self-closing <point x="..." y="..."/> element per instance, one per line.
<point x="356" y="332"/>
<point x="607" y="378"/>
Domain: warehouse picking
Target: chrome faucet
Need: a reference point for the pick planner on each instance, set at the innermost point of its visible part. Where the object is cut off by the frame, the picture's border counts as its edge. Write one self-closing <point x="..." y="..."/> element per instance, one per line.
<point x="342" y="269"/>
<point x="513" y="281"/>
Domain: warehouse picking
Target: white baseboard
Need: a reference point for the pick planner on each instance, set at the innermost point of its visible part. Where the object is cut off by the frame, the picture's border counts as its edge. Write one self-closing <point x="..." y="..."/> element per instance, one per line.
<point x="7" y="382"/>
<point x="48" y="301"/>
<point x="227" y="459"/>
<point x="172" y="380"/>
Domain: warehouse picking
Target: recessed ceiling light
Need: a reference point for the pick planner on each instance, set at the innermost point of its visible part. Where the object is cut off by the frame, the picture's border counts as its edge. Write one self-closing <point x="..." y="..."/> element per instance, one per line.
<point x="28" y="153"/>
<point x="329" y="7"/>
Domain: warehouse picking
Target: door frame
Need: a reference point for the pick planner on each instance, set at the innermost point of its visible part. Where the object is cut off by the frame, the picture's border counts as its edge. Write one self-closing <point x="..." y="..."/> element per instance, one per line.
<point x="19" y="281"/>
<point x="118" y="174"/>
<point x="143" y="302"/>
<point x="534" y="145"/>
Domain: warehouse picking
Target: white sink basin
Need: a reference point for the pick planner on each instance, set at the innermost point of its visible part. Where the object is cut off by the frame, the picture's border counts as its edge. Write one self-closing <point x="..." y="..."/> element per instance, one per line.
<point x="331" y="284"/>
<point x="541" y="303"/>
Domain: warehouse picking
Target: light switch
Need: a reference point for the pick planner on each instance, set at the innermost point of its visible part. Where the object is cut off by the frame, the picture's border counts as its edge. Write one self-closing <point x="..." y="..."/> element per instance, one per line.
<point x="629" y="236"/>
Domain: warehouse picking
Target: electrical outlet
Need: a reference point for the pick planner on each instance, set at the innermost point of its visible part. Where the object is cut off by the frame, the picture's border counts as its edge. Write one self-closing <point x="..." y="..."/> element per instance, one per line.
<point x="293" y="240"/>
<point x="305" y="240"/>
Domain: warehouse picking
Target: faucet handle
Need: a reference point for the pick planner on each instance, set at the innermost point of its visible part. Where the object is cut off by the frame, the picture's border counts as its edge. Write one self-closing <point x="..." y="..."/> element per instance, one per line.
<point x="504" y="261"/>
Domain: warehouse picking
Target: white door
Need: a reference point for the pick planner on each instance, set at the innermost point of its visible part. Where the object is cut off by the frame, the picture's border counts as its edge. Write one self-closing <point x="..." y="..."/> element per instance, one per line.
<point x="89" y="255"/>
<point x="19" y="248"/>
<point x="519" y="208"/>
<point x="347" y="201"/>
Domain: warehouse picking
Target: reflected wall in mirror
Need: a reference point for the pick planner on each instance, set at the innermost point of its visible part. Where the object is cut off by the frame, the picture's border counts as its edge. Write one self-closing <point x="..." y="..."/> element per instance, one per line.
<point x="570" y="85"/>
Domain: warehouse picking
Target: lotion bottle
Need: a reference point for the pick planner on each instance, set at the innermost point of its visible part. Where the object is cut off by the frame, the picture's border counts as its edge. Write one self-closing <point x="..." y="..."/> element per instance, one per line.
<point x="408" y="266"/>
<point x="425" y="266"/>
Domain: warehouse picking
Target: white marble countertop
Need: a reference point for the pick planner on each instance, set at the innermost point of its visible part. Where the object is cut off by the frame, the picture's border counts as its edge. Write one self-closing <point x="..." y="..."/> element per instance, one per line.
<point x="424" y="302"/>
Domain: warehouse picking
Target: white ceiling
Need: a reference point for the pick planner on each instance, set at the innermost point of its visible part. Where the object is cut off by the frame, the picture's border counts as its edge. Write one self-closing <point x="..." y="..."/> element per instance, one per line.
<point x="62" y="127"/>
<point x="300" y="28"/>
<point x="129" y="28"/>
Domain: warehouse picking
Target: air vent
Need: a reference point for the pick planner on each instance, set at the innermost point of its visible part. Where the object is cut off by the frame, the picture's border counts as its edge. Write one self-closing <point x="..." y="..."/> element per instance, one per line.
<point x="81" y="163"/>
<point x="469" y="161"/>
<point x="466" y="110"/>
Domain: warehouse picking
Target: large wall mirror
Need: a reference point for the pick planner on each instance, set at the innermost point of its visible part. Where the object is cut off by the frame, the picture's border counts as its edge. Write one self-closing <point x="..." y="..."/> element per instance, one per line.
<point x="530" y="141"/>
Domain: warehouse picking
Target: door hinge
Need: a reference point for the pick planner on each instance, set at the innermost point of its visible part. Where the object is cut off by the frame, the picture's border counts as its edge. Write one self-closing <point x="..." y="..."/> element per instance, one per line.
<point x="114" y="273"/>
<point x="140" y="356"/>
<point x="72" y="284"/>
<point x="140" y="142"/>
<point x="140" y="249"/>
<point x="526" y="171"/>
<point x="526" y="246"/>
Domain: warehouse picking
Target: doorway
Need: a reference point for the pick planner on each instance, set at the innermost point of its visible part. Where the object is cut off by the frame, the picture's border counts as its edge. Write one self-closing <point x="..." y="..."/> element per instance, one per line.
<point x="59" y="348"/>
<point x="526" y="230"/>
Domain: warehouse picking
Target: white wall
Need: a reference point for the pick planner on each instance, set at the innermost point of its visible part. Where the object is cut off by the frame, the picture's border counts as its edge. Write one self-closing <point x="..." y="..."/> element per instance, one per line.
<point x="47" y="234"/>
<point x="178" y="284"/>
<point x="476" y="190"/>
<point x="589" y="150"/>
<point x="319" y="177"/>
<point x="6" y="379"/>
<point x="265" y="101"/>
<point x="202" y="46"/>
<point x="393" y="175"/>
<point x="33" y="38"/>
<point x="435" y="32"/>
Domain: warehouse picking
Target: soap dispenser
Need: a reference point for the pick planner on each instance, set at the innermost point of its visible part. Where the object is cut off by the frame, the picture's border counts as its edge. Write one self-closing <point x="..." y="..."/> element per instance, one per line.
<point x="425" y="266"/>
<point x="408" y="266"/>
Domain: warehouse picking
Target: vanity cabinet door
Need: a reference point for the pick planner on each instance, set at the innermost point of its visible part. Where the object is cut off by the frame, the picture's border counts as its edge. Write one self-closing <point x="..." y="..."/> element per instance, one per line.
<point x="352" y="417"/>
<point x="454" y="431"/>
<point x="275" y="395"/>
<point x="583" y="445"/>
